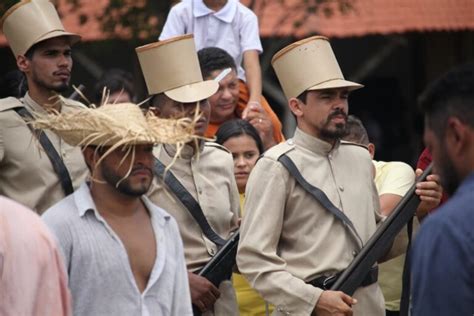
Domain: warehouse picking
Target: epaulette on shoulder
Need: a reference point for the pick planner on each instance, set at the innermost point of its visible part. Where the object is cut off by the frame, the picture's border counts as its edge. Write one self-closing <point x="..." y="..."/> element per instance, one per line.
<point x="345" y="142"/>
<point x="280" y="149"/>
<point x="9" y="103"/>
<point x="216" y="145"/>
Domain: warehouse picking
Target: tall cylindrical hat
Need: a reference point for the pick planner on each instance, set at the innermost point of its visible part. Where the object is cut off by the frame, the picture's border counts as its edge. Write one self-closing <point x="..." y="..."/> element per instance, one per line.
<point x="32" y="21"/>
<point x="309" y="64"/>
<point x="172" y="67"/>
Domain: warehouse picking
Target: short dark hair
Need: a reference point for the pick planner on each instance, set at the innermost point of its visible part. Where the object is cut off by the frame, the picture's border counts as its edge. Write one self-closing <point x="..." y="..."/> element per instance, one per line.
<point x="31" y="51"/>
<point x="214" y="58"/>
<point x="356" y="131"/>
<point x="115" y="80"/>
<point x="450" y="95"/>
<point x="235" y="128"/>
<point x="303" y="96"/>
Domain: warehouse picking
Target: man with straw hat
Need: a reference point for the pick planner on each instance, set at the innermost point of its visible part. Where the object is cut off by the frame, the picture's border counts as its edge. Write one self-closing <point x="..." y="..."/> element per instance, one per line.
<point x="38" y="176"/>
<point x="123" y="254"/>
<point x="288" y="256"/>
<point x="203" y="172"/>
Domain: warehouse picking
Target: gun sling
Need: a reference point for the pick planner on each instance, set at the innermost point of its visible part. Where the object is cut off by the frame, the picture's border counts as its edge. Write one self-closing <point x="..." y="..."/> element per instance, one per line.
<point x="56" y="160"/>
<point x="325" y="282"/>
<point x="319" y="195"/>
<point x="188" y="201"/>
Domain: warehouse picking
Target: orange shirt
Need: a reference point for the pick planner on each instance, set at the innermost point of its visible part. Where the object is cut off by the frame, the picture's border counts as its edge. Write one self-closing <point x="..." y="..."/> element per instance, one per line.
<point x="242" y="103"/>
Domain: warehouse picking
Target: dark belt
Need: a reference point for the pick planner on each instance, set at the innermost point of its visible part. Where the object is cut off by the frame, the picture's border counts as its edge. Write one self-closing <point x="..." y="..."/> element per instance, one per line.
<point x="325" y="282"/>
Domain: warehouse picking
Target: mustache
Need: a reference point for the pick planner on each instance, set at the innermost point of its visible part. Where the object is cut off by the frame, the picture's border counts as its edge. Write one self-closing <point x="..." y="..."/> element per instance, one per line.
<point x="337" y="113"/>
<point x="141" y="168"/>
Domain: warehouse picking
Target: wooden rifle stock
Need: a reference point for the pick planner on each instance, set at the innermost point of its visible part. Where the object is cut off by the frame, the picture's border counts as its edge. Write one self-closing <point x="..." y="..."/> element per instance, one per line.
<point x="376" y="247"/>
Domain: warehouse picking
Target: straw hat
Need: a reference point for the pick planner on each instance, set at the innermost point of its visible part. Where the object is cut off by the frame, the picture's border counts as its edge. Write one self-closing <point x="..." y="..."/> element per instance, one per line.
<point x="309" y="64"/>
<point x="115" y="125"/>
<point x="32" y="21"/>
<point x="172" y="67"/>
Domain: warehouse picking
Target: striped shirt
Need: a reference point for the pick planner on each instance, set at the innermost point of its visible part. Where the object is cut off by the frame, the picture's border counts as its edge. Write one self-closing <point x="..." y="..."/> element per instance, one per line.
<point x="100" y="276"/>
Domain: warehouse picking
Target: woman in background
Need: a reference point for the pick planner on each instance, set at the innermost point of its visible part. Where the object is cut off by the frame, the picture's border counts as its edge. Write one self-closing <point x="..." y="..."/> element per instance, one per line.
<point x="243" y="141"/>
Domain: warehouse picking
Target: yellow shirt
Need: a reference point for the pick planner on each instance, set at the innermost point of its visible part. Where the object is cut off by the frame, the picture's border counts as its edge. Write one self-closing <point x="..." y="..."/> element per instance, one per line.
<point x="250" y="302"/>
<point x="392" y="178"/>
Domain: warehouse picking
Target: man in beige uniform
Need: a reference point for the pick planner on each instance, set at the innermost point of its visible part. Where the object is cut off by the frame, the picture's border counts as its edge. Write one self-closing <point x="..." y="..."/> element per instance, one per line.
<point x="43" y="53"/>
<point x="173" y="78"/>
<point x="287" y="237"/>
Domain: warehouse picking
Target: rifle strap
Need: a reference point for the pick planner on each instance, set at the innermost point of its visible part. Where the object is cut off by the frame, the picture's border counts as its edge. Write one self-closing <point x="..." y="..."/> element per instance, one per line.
<point x="57" y="162"/>
<point x="406" y="284"/>
<point x="318" y="194"/>
<point x="188" y="201"/>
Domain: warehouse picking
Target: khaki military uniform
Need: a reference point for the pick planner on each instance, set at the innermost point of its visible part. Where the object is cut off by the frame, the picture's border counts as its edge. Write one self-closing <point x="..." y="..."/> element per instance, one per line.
<point x="288" y="238"/>
<point x="26" y="173"/>
<point x="209" y="178"/>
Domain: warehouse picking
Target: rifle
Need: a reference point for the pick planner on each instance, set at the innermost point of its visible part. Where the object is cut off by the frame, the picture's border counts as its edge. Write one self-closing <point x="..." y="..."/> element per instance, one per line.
<point x="375" y="248"/>
<point x="220" y="267"/>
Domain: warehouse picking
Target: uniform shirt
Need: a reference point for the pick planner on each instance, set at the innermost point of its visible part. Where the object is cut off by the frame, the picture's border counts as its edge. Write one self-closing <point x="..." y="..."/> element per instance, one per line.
<point x="100" y="277"/>
<point x="393" y="177"/>
<point x="209" y="178"/>
<point x="233" y="28"/>
<point x="443" y="262"/>
<point x="287" y="238"/>
<point x="33" y="279"/>
<point x="26" y="173"/>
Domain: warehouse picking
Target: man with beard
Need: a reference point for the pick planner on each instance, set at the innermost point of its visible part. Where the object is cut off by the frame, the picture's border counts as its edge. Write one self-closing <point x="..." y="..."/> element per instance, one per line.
<point x="38" y="175"/>
<point x="123" y="254"/>
<point x="443" y="261"/>
<point x="204" y="170"/>
<point x="289" y="241"/>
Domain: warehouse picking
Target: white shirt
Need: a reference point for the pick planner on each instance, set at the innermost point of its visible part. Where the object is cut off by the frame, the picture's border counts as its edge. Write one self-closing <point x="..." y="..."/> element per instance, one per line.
<point x="233" y="28"/>
<point x="100" y="276"/>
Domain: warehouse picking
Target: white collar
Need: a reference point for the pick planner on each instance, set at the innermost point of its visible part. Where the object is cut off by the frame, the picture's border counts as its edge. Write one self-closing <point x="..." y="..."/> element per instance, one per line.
<point x="226" y="14"/>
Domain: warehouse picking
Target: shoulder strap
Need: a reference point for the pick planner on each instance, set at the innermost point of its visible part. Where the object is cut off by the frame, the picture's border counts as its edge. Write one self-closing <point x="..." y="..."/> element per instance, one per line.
<point x="58" y="164"/>
<point x="317" y="193"/>
<point x="188" y="201"/>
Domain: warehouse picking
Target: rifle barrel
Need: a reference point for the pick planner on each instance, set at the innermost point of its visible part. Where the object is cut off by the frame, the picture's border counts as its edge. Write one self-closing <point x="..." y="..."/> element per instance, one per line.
<point x="351" y="278"/>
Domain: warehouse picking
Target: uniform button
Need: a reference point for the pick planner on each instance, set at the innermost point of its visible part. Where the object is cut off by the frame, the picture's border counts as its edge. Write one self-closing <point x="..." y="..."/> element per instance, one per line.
<point x="354" y="253"/>
<point x="212" y="251"/>
<point x="290" y="141"/>
<point x="330" y="156"/>
<point x="64" y="154"/>
<point x="199" y="191"/>
<point x="341" y="188"/>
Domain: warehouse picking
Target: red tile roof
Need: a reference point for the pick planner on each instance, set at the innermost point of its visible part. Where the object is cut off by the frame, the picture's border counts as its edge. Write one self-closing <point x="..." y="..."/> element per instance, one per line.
<point x="280" y="18"/>
<point x="277" y="18"/>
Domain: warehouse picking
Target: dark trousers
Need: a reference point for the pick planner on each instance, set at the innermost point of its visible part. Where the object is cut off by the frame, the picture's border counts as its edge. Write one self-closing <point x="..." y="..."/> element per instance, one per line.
<point x="392" y="313"/>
